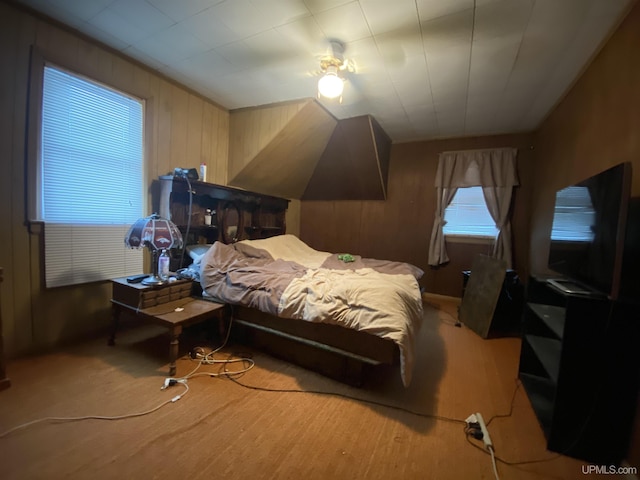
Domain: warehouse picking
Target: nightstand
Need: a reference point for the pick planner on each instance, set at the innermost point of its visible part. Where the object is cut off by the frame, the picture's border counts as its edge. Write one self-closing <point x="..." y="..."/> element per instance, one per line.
<point x="170" y="305"/>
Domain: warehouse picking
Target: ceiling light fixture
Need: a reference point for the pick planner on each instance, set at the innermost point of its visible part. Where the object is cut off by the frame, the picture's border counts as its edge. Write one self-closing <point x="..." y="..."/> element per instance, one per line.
<point x="330" y="84"/>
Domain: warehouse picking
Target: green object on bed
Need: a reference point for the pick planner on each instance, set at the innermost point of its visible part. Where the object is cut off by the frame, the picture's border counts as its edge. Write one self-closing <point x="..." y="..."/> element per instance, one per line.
<point x="346" y="257"/>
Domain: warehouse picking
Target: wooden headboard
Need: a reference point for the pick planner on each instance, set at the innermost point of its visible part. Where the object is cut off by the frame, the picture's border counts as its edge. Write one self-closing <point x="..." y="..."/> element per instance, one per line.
<point x="236" y="214"/>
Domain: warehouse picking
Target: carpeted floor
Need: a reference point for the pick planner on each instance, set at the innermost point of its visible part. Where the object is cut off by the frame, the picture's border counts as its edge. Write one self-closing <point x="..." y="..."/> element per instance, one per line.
<point x="224" y="430"/>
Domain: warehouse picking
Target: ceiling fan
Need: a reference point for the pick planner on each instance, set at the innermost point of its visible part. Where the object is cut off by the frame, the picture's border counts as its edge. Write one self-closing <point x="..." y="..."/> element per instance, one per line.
<point x="333" y="67"/>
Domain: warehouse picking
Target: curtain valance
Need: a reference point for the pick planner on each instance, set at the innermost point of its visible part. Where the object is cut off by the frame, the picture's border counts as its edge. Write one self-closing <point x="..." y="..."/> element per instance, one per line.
<point x="494" y="167"/>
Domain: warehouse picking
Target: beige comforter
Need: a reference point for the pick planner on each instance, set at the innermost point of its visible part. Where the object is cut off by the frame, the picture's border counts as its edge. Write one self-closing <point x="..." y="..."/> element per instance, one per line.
<point x="285" y="277"/>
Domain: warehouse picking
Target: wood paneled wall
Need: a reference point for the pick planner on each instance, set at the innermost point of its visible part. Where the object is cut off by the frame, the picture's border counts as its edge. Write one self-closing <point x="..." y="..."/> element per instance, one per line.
<point x="400" y="227"/>
<point x="182" y="130"/>
<point x="596" y="126"/>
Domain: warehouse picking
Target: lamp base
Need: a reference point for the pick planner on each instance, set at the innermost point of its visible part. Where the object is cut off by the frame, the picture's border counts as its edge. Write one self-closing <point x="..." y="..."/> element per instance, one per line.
<point x="153" y="280"/>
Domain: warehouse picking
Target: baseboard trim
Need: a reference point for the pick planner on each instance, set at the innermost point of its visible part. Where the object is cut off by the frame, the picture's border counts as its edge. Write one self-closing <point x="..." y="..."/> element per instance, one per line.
<point x="437" y="296"/>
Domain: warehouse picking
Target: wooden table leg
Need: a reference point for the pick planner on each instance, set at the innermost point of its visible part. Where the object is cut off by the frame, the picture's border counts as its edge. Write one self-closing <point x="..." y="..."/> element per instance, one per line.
<point x="222" y="327"/>
<point x="115" y="318"/>
<point x="173" y="348"/>
<point x="224" y="320"/>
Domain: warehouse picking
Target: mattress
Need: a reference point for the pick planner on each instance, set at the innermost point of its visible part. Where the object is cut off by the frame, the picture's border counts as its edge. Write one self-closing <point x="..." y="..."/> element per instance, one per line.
<point x="285" y="277"/>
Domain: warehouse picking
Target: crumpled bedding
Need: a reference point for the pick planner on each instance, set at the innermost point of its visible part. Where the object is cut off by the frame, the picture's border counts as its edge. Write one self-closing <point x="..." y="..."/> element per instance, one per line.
<point x="285" y="277"/>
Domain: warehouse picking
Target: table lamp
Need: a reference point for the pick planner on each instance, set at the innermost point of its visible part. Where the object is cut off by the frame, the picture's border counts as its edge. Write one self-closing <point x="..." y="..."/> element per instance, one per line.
<point x="155" y="233"/>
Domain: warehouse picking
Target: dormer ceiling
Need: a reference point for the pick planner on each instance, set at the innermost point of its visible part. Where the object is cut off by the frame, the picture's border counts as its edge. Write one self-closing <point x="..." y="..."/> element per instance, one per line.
<point x="423" y="68"/>
<point x="354" y="164"/>
<point x="275" y="149"/>
<point x="299" y="150"/>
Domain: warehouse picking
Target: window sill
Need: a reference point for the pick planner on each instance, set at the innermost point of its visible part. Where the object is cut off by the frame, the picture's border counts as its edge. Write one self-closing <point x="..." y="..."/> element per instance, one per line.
<point x="470" y="239"/>
<point x="35" y="227"/>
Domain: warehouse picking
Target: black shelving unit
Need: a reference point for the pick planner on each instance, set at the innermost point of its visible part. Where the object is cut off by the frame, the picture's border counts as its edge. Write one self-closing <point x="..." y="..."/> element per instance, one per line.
<point x="579" y="368"/>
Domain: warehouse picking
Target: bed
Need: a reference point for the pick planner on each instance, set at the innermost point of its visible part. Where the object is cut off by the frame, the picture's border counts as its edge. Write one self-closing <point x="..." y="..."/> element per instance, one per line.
<point x="339" y="306"/>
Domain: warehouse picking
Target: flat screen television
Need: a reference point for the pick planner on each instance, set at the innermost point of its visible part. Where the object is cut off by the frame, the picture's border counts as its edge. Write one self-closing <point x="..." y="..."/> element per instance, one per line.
<point x="588" y="233"/>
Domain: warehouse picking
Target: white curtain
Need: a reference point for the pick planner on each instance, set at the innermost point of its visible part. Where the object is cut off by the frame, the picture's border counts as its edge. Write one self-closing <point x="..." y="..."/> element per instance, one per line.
<point x="498" y="200"/>
<point x="437" y="250"/>
<point x="492" y="169"/>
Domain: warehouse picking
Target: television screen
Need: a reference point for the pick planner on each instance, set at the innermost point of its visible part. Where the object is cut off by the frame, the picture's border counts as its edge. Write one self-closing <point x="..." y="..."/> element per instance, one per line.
<point x="587" y="236"/>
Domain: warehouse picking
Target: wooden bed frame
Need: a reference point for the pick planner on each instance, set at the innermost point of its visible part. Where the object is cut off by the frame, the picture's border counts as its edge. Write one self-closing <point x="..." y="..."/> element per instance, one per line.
<point x="331" y="350"/>
<point x="334" y="351"/>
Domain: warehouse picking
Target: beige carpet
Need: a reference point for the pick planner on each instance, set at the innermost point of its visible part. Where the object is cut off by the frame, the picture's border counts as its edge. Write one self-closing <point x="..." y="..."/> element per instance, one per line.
<point x="222" y="430"/>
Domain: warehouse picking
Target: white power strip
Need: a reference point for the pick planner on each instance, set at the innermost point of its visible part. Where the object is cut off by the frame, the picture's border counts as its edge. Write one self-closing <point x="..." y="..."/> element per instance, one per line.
<point x="485" y="433"/>
<point x="476" y="421"/>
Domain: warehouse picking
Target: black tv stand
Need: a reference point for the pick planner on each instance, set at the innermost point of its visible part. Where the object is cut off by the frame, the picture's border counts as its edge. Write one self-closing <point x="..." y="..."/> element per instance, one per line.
<point x="579" y="367"/>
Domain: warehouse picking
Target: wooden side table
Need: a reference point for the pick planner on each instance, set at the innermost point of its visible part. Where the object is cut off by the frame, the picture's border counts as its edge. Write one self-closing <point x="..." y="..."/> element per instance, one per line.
<point x="4" y="380"/>
<point x="164" y="305"/>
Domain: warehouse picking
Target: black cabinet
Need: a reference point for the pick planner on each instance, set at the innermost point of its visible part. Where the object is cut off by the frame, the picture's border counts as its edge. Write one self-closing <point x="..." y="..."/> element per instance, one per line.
<point x="579" y="367"/>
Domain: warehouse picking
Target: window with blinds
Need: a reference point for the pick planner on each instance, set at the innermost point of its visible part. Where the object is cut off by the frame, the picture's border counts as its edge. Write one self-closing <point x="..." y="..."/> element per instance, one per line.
<point x="91" y="178"/>
<point x="467" y="215"/>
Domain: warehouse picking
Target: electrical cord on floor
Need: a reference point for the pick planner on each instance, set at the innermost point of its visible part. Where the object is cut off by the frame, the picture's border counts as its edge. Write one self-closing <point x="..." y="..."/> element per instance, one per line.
<point x="96" y="417"/>
<point x="513" y="398"/>
<point x="493" y="462"/>
<point x="349" y="397"/>
<point x="208" y="358"/>
<point x="474" y="433"/>
<point x="373" y="402"/>
<point x="495" y="458"/>
<point x="513" y="464"/>
<point x="475" y="429"/>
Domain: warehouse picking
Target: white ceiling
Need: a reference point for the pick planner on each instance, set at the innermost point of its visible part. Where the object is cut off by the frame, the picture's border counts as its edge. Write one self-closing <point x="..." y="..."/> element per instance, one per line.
<point x="425" y="68"/>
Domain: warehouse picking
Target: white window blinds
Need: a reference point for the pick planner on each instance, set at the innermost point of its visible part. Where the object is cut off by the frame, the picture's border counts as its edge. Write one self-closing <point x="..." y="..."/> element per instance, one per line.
<point x="91" y="177"/>
<point x="467" y="214"/>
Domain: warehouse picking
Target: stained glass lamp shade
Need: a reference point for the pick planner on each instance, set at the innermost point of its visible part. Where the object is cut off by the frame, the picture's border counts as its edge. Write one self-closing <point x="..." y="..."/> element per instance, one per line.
<point x="156" y="234"/>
